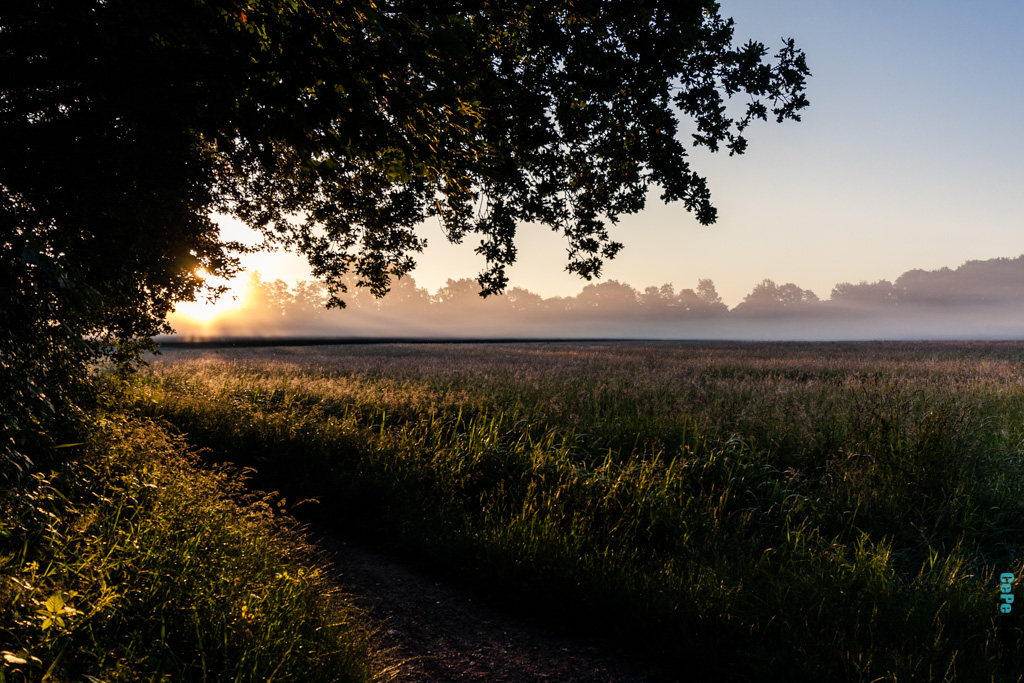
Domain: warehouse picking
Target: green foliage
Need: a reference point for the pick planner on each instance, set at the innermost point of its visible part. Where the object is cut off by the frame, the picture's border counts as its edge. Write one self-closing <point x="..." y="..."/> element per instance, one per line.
<point x="124" y="124"/>
<point x="128" y="122"/>
<point x="130" y="563"/>
<point x="783" y="512"/>
<point x="334" y="129"/>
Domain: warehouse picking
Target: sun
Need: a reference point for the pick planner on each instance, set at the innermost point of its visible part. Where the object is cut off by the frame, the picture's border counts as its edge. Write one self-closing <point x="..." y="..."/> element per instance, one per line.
<point x="203" y="311"/>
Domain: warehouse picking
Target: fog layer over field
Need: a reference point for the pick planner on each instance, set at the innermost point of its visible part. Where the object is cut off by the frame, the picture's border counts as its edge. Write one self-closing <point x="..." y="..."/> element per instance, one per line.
<point x="978" y="300"/>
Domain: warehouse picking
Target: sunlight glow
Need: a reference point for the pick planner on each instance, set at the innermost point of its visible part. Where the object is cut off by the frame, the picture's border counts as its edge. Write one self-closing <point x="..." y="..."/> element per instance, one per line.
<point x="205" y="312"/>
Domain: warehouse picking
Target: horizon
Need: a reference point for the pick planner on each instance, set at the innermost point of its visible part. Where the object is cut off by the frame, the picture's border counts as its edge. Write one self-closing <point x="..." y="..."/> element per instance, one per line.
<point x="977" y="300"/>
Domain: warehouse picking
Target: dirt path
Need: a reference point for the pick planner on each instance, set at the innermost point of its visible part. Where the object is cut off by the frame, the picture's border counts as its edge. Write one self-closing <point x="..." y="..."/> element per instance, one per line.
<point x="443" y="634"/>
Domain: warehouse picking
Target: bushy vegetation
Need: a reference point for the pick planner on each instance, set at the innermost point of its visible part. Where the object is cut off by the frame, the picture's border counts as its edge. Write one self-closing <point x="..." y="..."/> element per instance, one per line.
<point x="818" y="512"/>
<point x="128" y="562"/>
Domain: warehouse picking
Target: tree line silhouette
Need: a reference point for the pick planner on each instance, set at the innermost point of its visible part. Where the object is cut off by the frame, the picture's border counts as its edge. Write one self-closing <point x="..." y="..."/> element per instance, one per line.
<point x="978" y="295"/>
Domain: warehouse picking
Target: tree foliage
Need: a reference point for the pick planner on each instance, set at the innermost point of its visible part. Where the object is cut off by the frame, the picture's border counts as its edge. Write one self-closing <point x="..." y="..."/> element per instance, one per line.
<point x="865" y="294"/>
<point x="336" y="128"/>
<point x="768" y="297"/>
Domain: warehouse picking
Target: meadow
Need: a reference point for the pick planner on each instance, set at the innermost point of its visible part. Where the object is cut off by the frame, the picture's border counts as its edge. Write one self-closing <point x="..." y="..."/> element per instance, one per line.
<point x="124" y="558"/>
<point x="797" y="511"/>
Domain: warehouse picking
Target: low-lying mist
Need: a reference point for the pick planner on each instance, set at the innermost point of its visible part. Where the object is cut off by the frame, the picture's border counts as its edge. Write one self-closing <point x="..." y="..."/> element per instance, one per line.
<point x="979" y="300"/>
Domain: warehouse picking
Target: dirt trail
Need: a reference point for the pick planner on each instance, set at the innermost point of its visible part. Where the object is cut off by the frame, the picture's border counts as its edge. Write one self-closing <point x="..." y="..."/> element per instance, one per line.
<point x="443" y="634"/>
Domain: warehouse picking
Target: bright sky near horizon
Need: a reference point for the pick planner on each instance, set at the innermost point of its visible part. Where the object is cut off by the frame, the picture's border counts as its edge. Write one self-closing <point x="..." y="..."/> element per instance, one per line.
<point x="910" y="156"/>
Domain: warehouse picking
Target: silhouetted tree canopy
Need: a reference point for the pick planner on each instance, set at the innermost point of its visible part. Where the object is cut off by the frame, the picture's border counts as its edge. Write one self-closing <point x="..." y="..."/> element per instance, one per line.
<point x="768" y="297"/>
<point x="987" y="301"/>
<point x="865" y="294"/>
<point x="607" y="296"/>
<point x="994" y="281"/>
<point x="335" y="128"/>
<point x="707" y="296"/>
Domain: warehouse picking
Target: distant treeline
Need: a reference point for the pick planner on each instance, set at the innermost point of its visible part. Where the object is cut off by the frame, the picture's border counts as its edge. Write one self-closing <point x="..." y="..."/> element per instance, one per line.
<point x="978" y="299"/>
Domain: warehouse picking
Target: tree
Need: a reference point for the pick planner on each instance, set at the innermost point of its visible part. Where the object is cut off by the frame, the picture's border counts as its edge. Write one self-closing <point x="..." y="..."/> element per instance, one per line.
<point x="708" y="296"/>
<point x="881" y="294"/>
<point x="458" y="294"/>
<point x="524" y="301"/>
<point x="308" y="299"/>
<point x="334" y="128"/>
<point x="768" y="297"/>
<point x="404" y="298"/>
<point x="607" y="297"/>
<point x="268" y="302"/>
<point x="658" y="300"/>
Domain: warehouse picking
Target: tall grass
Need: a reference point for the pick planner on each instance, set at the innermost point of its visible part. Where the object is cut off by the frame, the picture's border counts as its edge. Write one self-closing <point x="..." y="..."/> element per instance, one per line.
<point x="130" y="563"/>
<point x="743" y="511"/>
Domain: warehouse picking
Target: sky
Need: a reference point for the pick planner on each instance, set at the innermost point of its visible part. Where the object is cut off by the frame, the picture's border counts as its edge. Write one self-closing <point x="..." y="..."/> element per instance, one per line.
<point x="911" y="155"/>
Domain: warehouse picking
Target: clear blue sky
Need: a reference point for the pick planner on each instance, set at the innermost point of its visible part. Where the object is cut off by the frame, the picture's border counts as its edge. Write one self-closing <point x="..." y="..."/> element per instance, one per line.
<point x="911" y="155"/>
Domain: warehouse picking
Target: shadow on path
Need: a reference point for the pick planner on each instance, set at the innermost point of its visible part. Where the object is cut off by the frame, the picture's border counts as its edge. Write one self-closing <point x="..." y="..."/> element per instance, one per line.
<point x="443" y="633"/>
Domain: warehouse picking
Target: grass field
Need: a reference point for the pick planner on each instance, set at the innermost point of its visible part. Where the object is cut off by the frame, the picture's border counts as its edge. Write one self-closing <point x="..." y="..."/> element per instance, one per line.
<point x="736" y="511"/>
<point x="128" y="561"/>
